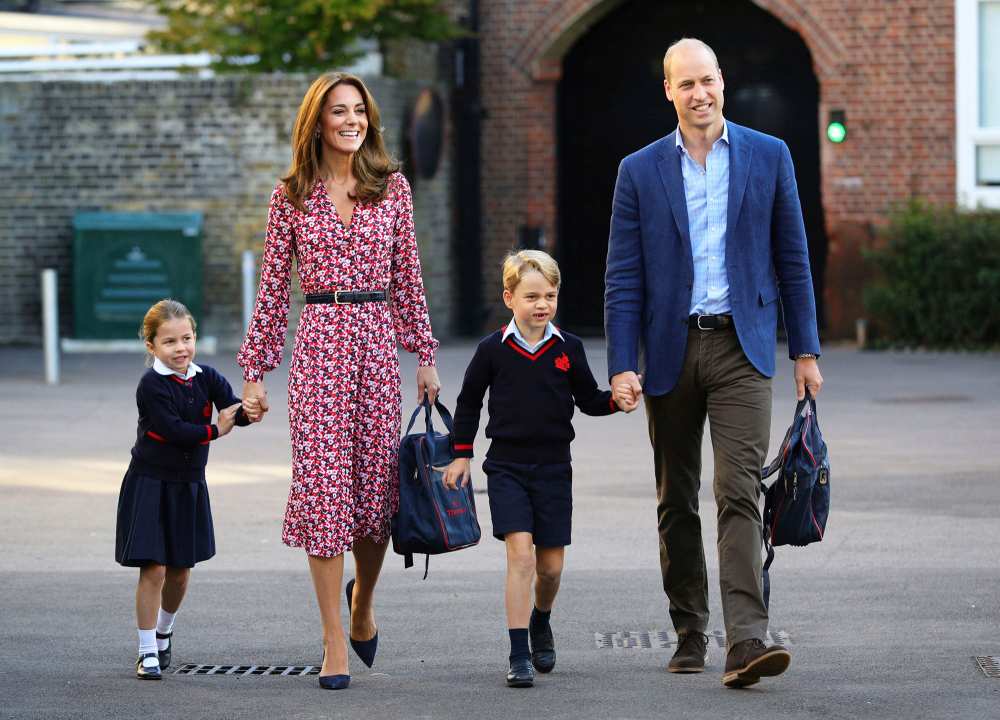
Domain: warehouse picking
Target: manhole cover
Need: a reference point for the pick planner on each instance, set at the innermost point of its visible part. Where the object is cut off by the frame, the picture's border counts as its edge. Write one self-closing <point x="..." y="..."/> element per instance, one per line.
<point x="667" y="639"/>
<point x="247" y="670"/>
<point x="989" y="664"/>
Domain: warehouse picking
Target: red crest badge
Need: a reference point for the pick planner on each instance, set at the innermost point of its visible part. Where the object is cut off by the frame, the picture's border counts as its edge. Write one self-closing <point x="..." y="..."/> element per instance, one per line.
<point x="562" y="362"/>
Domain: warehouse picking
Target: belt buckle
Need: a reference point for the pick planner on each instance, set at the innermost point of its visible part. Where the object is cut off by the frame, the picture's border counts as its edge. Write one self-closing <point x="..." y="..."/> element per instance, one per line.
<point x="698" y="323"/>
<point x="336" y="298"/>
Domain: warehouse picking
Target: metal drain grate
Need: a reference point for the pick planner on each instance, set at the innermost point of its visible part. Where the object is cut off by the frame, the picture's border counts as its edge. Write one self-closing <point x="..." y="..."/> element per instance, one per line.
<point x="667" y="639"/>
<point x="247" y="670"/>
<point x="989" y="664"/>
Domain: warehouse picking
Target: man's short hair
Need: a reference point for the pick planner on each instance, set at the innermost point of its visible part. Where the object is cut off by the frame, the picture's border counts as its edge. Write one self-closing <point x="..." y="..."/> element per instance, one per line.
<point x="670" y="52"/>
<point x="517" y="263"/>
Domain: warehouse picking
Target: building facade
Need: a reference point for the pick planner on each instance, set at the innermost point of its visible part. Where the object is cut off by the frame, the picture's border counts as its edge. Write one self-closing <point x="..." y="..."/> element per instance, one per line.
<point x="569" y="87"/>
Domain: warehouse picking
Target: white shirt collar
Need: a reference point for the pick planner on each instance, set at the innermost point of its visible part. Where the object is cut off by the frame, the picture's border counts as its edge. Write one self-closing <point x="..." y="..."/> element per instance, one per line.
<point x="679" y="140"/>
<point x="161" y="368"/>
<point x="511" y="329"/>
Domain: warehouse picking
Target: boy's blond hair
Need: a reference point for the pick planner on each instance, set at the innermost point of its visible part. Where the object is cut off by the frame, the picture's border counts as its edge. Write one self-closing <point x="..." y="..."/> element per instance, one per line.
<point x="520" y="262"/>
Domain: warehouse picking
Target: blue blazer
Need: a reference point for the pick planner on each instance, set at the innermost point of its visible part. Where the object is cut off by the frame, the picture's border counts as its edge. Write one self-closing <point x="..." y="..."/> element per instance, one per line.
<point x="650" y="269"/>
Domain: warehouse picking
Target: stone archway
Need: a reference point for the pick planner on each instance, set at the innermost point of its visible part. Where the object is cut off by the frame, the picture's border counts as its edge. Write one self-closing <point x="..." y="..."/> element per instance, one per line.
<point x="543" y="54"/>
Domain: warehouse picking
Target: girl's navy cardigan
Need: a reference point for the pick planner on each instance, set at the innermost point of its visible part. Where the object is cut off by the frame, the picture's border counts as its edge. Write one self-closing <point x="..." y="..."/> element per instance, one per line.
<point x="531" y="398"/>
<point x="175" y="417"/>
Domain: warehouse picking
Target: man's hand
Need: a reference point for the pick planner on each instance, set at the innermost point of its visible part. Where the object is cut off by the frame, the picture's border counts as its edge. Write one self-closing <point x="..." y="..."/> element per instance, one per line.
<point x="626" y="389"/>
<point x="427" y="382"/>
<point x="255" y="401"/>
<point x="457" y="474"/>
<point x="807" y="375"/>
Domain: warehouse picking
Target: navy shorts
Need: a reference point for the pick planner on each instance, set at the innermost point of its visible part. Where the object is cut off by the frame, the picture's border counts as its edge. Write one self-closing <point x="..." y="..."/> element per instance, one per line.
<point x="531" y="498"/>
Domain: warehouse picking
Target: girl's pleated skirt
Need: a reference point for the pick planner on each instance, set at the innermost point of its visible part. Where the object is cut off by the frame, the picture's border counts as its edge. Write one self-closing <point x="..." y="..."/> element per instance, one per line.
<point x="164" y="517"/>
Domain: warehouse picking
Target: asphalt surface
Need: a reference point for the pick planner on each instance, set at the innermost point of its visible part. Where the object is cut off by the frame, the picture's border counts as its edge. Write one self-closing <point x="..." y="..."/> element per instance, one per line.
<point x="883" y="617"/>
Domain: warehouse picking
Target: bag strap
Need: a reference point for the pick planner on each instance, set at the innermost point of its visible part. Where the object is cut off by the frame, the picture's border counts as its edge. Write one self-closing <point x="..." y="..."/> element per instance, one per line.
<point x="805" y="407"/>
<point x="425" y="405"/>
<point x="408" y="563"/>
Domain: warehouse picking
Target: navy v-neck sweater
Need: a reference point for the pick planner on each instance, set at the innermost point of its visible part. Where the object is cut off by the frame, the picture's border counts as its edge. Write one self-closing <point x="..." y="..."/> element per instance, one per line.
<point x="531" y="398"/>
<point x="175" y="417"/>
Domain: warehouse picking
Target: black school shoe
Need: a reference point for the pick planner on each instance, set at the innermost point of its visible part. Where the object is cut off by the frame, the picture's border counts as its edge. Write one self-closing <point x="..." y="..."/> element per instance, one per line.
<point x="543" y="646"/>
<point x="165" y="654"/>
<point x="520" y="674"/>
<point x="147" y="673"/>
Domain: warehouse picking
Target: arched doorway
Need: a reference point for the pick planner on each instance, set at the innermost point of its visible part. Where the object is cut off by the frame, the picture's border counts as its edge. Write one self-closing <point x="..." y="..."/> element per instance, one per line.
<point x="611" y="103"/>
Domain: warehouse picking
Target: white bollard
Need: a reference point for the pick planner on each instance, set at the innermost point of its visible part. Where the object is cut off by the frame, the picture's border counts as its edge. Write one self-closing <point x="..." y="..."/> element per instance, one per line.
<point x="249" y="271"/>
<point x="50" y="325"/>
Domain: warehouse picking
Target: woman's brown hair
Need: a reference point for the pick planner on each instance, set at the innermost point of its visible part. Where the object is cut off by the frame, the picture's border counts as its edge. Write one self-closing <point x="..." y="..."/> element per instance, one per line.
<point x="161" y="312"/>
<point x="371" y="164"/>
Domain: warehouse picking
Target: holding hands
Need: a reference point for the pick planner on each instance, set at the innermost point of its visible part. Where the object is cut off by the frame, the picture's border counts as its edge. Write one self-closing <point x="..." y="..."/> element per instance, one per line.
<point x="255" y="401"/>
<point x="227" y="419"/>
<point x="626" y="390"/>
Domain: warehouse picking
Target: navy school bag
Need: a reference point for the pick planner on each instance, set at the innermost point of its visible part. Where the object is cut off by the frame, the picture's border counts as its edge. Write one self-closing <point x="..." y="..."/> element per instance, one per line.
<point x="797" y="503"/>
<point x="431" y="518"/>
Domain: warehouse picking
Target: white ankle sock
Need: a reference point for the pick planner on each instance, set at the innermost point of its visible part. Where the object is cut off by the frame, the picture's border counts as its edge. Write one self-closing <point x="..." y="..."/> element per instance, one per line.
<point x="147" y="641"/>
<point x="164" y="625"/>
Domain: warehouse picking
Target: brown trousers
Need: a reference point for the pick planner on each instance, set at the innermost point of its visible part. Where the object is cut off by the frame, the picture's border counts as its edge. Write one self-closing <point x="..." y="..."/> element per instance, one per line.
<point x="719" y="382"/>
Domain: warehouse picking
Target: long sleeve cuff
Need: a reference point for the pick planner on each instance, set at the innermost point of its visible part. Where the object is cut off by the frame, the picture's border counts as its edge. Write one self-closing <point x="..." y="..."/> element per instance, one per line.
<point x="461" y="449"/>
<point x="253" y="374"/>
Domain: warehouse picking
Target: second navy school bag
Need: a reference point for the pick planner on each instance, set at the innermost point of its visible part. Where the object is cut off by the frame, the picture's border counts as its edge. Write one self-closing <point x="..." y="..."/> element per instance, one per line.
<point x="797" y="503"/>
<point x="431" y="518"/>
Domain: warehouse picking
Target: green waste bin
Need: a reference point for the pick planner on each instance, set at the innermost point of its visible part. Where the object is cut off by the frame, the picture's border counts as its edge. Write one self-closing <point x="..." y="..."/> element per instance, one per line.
<point x="125" y="262"/>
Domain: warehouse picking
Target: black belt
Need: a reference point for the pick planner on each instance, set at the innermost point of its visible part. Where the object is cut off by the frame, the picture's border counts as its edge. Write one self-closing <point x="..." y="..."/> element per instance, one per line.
<point x="345" y="297"/>
<point x="710" y="322"/>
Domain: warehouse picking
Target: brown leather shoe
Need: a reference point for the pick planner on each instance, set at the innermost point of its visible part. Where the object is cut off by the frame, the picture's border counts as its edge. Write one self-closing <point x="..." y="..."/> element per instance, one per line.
<point x="748" y="661"/>
<point x="691" y="653"/>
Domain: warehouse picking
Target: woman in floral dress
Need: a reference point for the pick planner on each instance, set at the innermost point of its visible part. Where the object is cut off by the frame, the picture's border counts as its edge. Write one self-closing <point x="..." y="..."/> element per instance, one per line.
<point x="345" y="214"/>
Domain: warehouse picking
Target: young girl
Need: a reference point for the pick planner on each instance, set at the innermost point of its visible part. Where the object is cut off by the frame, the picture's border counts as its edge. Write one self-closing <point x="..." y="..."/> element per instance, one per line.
<point x="164" y="517"/>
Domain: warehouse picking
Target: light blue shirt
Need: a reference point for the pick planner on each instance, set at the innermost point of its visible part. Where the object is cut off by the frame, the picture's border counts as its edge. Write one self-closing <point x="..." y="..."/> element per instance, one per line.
<point x="550" y="330"/>
<point x="706" y="191"/>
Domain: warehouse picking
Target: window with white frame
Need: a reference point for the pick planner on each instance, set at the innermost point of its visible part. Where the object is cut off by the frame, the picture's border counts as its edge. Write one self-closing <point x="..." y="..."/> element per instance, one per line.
<point x="977" y="96"/>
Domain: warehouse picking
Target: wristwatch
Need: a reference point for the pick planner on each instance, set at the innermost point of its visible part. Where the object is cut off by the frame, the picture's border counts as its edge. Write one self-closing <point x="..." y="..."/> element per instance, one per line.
<point x="805" y="356"/>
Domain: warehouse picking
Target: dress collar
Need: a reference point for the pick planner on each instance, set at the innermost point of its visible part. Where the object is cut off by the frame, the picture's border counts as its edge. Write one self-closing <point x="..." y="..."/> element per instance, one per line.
<point x="162" y="369"/>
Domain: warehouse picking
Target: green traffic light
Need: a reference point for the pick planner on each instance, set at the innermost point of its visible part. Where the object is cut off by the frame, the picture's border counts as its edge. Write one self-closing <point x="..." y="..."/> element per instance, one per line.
<point x="836" y="132"/>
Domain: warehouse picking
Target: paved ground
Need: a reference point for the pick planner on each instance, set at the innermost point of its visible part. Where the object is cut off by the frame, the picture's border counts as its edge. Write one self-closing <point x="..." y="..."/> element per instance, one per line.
<point x="883" y="617"/>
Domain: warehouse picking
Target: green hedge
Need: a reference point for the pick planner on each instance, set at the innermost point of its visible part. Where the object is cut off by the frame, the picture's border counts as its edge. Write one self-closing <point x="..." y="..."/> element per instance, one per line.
<point x="939" y="281"/>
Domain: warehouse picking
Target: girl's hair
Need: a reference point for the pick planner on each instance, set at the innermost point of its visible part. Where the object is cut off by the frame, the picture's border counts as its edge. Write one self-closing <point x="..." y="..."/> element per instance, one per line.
<point x="161" y="312"/>
<point x="516" y="264"/>
<point x="371" y="164"/>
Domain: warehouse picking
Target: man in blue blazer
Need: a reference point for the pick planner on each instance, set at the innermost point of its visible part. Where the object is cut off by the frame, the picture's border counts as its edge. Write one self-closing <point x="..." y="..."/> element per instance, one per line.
<point x="706" y="237"/>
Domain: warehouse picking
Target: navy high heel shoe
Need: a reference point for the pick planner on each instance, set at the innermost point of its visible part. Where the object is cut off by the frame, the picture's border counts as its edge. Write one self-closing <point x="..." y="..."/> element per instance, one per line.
<point x="364" y="649"/>
<point x="333" y="682"/>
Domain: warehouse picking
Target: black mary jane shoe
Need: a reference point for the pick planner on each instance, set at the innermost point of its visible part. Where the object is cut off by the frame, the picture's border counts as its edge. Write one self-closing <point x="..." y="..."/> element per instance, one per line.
<point x="364" y="649"/>
<point x="147" y="673"/>
<point x="520" y="674"/>
<point x="165" y="654"/>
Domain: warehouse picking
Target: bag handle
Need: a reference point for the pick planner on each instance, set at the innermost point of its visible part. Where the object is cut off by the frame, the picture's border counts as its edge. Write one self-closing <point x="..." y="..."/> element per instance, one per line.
<point x="425" y="405"/>
<point x="803" y="409"/>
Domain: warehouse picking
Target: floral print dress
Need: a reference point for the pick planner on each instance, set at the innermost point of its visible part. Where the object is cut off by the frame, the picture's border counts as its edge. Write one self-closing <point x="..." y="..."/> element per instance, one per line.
<point x="343" y="382"/>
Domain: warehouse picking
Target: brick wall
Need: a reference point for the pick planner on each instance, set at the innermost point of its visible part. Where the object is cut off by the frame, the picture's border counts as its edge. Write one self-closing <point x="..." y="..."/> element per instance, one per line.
<point x="889" y="65"/>
<point x="211" y="145"/>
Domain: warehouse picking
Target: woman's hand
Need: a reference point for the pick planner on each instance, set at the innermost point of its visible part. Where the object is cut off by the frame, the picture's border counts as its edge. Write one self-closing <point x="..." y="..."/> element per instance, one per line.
<point x="457" y="474"/>
<point x="427" y="382"/>
<point x="255" y="401"/>
<point x="227" y="418"/>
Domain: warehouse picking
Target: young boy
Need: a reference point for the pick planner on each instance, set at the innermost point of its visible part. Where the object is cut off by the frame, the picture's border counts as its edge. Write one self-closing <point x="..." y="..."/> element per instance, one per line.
<point x="535" y="373"/>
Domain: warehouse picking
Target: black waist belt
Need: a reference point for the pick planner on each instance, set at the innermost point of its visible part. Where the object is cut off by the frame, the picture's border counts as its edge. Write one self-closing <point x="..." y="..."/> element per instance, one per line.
<point x="710" y="322"/>
<point x="345" y="297"/>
